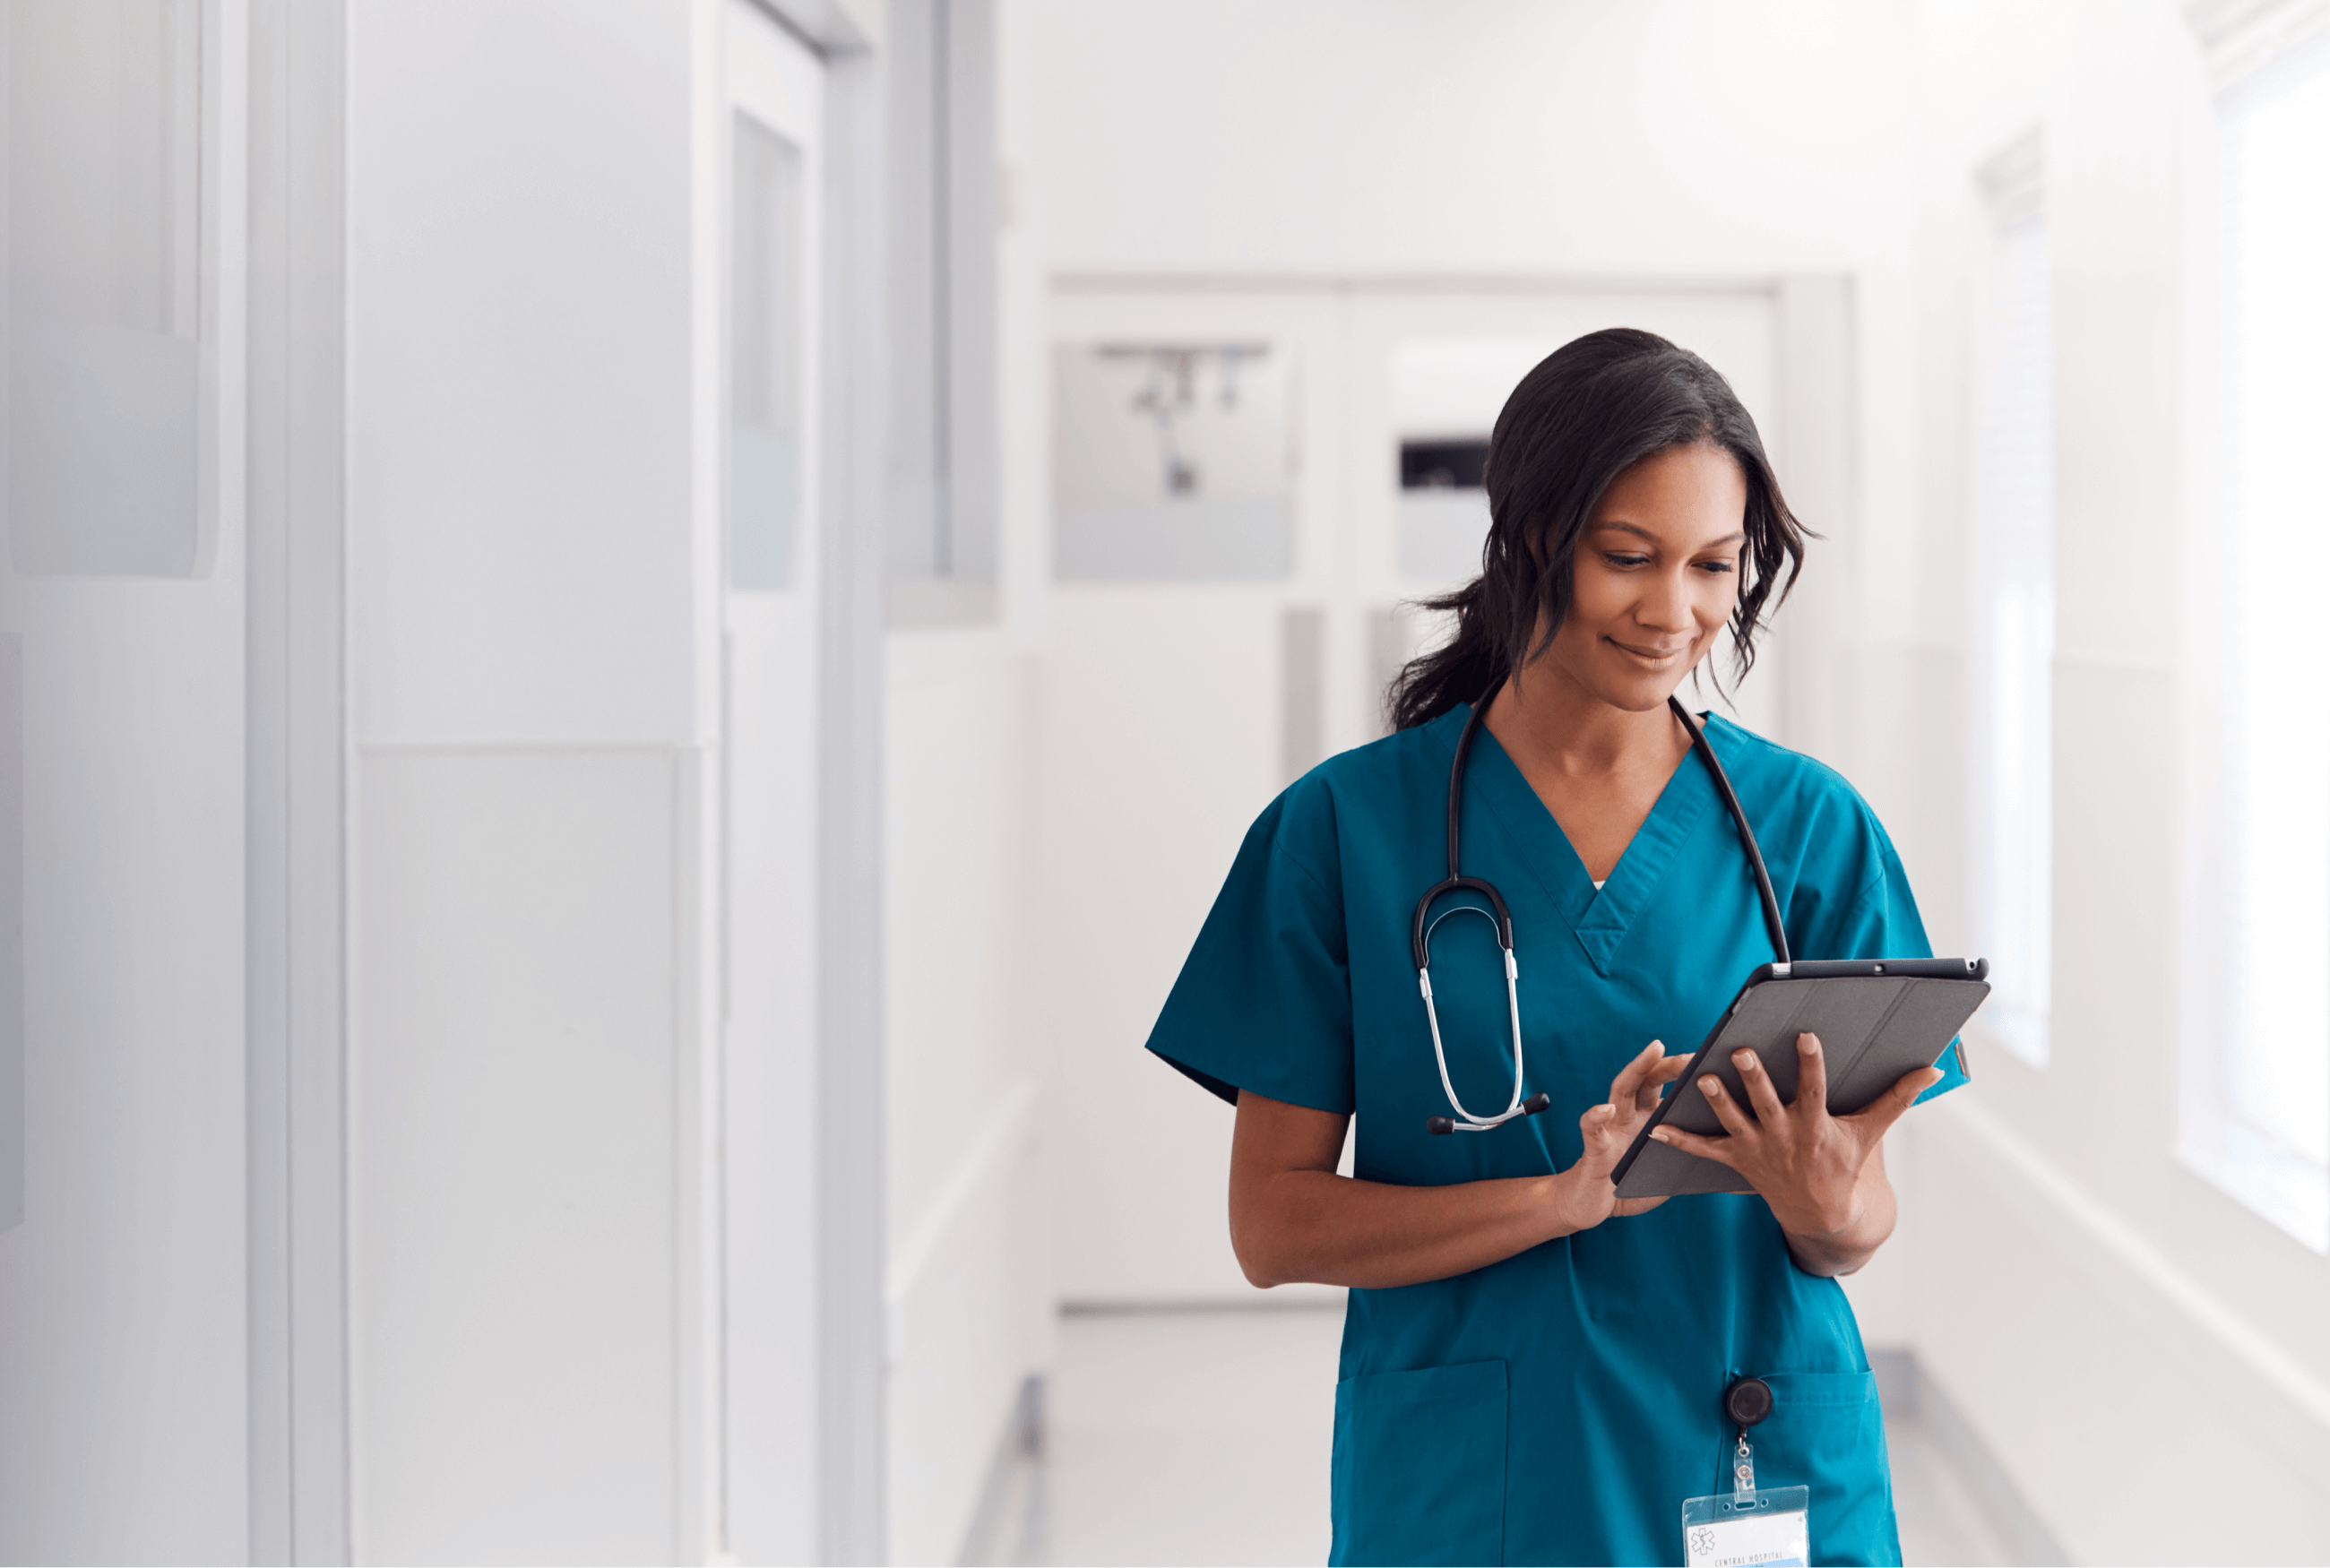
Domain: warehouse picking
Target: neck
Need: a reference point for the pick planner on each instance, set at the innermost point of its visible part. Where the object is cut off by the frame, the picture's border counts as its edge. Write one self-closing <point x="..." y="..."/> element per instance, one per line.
<point x="1543" y="714"/>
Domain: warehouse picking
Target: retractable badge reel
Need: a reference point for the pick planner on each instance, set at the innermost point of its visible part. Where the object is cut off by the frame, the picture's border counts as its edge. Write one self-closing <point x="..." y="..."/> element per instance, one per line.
<point x="1745" y="1526"/>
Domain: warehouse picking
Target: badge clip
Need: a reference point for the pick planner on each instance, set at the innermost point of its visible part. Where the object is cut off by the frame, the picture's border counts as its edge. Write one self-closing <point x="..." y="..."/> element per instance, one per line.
<point x="1747" y="1527"/>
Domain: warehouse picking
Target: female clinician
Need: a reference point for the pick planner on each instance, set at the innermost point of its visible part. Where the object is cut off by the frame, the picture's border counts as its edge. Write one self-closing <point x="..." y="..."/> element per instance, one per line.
<point x="1533" y="1372"/>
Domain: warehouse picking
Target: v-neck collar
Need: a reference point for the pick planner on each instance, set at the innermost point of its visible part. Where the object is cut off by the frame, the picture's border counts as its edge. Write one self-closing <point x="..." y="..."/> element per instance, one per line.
<point x="1599" y="919"/>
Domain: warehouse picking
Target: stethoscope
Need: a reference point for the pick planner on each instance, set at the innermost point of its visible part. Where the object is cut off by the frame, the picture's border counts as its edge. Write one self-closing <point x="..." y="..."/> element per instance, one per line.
<point x="1420" y="933"/>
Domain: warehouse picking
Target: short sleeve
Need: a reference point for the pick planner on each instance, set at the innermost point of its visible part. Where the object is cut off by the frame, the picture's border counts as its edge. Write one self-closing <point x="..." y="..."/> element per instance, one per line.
<point x="1883" y="923"/>
<point x="1264" y="1001"/>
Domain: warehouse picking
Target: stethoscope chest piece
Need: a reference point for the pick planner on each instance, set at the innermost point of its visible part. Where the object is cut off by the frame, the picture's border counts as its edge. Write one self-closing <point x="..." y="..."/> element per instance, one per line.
<point x="1437" y="1125"/>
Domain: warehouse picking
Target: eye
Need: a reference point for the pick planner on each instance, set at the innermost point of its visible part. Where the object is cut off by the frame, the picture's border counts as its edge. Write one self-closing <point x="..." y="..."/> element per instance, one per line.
<point x="1623" y="562"/>
<point x="1721" y="566"/>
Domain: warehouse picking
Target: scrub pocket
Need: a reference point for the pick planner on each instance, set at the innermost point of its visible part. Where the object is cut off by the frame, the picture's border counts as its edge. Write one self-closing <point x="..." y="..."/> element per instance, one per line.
<point x="1419" y="1472"/>
<point x="1827" y="1432"/>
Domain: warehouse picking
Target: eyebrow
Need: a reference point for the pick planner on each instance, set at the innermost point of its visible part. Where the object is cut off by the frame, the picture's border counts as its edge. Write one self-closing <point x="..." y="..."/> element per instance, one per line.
<point x="1734" y="537"/>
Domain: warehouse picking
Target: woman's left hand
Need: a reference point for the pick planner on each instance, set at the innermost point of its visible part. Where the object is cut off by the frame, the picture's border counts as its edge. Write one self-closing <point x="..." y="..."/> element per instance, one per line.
<point x="1815" y="1170"/>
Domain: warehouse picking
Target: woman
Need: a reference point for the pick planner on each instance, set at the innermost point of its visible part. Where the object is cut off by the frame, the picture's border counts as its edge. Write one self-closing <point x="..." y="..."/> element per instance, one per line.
<point x="1533" y="1372"/>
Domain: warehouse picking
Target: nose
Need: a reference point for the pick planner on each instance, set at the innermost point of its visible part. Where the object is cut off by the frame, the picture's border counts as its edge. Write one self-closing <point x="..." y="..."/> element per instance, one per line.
<point x="1666" y="606"/>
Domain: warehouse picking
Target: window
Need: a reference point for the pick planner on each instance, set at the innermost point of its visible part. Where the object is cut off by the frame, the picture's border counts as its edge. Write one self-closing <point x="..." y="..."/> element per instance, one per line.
<point x="2257" y="1109"/>
<point x="764" y="455"/>
<point x="105" y="465"/>
<point x="2014" y="643"/>
<point x="944" y="213"/>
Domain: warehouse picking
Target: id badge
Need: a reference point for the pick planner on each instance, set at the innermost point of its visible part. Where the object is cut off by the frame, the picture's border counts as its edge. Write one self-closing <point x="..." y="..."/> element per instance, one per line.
<point x="1746" y="1527"/>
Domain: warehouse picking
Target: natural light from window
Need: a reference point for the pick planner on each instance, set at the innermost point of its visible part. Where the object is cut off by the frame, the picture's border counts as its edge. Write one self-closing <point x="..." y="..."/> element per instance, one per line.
<point x="2262" y="1126"/>
<point x="2014" y="634"/>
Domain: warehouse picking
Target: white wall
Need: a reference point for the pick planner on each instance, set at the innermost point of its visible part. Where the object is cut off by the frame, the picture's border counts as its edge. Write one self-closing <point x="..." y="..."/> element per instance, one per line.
<point x="514" y="1211"/>
<point x="1137" y="838"/>
<point x="123" y="1393"/>
<point x="121" y="1293"/>
<point x="969" y="1286"/>
<point x="1496" y="138"/>
<point x="521" y="346"/>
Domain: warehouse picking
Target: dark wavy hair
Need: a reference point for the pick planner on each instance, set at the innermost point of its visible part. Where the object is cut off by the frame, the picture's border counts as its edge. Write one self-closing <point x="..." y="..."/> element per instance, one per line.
<point x="1591" y="410"/>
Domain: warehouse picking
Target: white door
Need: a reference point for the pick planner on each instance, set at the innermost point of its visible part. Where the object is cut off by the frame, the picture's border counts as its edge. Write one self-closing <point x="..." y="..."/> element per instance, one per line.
<point x="1232" y="553"/>
<point x="769" y="961"/>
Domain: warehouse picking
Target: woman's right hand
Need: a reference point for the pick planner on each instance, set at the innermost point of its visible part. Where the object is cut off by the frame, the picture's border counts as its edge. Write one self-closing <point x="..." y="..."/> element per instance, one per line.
<point x="1293" y="1218"/>
<point x="1587" y="1195"/>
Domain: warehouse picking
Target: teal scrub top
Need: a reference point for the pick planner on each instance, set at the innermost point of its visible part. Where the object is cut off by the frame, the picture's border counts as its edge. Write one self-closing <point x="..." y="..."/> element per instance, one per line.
<point x="1557" y="1406"/>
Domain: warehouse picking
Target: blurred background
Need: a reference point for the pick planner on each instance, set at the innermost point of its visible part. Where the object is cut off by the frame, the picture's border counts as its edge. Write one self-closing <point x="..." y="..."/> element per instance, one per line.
<point x="636" y="633"/>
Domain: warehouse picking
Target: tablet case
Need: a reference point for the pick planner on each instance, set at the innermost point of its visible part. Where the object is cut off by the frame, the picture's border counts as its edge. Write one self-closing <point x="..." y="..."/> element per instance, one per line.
<point x="1876" y="1019"/>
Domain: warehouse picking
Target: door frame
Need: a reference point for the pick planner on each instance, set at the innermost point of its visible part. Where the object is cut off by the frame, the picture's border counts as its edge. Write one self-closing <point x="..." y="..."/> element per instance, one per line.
<point x="849" y="1112"/>
<point x="296" y="851"/>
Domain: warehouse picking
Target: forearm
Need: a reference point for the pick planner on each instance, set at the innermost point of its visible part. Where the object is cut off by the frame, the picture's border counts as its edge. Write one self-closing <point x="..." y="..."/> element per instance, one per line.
<point x="1843" y="1247"/>
<point x="1314" y="1227"/>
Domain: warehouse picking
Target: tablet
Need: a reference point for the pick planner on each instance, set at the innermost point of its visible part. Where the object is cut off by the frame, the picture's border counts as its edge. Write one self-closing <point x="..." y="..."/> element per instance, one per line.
<point x="1876" y="1019"/>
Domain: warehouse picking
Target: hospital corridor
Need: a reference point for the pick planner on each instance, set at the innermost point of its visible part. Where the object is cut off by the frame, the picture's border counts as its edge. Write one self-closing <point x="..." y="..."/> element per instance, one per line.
<point x="862" y="781"/>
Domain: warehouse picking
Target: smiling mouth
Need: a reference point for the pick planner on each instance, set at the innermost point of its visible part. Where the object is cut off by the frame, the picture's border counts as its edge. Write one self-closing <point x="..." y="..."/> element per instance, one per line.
<point x="1649" y="655"/>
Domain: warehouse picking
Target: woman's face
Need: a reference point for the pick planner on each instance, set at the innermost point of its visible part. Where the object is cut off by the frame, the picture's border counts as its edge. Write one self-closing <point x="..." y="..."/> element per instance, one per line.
<point x="1656" y="576"/>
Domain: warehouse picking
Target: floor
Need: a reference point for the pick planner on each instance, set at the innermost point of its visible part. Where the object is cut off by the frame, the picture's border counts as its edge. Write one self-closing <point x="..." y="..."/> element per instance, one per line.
<point x="1202" y="1438"/>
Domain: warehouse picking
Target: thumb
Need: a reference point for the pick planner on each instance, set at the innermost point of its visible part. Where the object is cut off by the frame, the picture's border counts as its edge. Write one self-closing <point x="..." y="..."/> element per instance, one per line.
<point x="1600" y="1128"/>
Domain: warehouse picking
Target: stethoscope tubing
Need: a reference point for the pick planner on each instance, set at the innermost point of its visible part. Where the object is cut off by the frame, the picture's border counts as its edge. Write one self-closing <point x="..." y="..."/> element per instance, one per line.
<point x="1421" y="926"/>
<point x="1472" y="1123"/>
